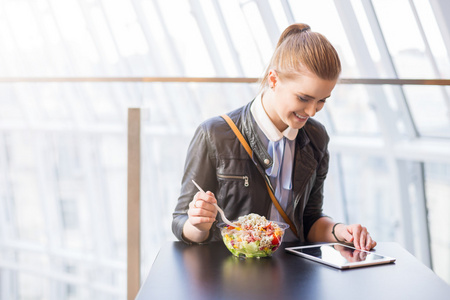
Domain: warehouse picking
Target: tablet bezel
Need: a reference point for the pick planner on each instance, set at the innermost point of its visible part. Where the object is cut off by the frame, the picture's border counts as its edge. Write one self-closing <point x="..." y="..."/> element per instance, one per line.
<point x="348" y="265"/>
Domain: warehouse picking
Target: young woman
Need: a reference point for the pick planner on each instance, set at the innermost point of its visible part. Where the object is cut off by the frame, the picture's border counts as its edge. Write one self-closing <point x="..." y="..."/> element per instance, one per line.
<point x="289" y="152"/>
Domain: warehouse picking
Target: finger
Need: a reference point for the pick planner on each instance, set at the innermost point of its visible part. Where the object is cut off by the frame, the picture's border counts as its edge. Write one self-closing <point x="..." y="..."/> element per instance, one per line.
<point x="201" y="204"/>
<point x="192" y="204"/>
<point x="363" y="238"/>
<point x="201" y="213"/>
<point x="202" y="208"/>
<point x="207" y="197"/>
<point x="201" y="220"/>
<point x="356" y="236"/>
<point x="200" y="197"/>
<point x="369" y="242"/>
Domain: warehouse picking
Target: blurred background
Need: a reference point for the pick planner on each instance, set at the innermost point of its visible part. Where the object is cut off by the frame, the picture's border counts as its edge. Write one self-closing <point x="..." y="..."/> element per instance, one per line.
<point x="63" y="141"/>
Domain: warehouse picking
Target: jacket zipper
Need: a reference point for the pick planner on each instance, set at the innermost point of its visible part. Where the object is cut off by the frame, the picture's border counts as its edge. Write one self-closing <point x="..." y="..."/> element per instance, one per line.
<point x="245" y="178"/>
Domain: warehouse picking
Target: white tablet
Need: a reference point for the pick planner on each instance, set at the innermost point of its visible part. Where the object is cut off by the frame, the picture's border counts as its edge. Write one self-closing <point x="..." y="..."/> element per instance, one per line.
<point x="340" y="256"/>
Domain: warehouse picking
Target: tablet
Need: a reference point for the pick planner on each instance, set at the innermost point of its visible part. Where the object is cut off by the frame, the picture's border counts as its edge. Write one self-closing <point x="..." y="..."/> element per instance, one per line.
<point x="340" y="256"/>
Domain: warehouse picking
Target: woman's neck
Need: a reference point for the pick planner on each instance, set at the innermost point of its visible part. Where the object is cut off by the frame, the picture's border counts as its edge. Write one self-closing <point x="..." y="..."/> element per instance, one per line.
<point x="268" y="104"/>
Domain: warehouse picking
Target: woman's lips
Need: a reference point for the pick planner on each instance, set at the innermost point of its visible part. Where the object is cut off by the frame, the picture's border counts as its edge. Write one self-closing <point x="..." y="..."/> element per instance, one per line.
<point x="301" y="118"/>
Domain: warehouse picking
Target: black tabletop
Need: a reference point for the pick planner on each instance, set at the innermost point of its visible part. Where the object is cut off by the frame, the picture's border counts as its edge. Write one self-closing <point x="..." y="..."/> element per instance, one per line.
<point x="209" y="271"/>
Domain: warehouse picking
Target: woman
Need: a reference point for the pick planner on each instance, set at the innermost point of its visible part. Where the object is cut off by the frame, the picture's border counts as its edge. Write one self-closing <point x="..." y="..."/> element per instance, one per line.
<point x="289" y="152"/>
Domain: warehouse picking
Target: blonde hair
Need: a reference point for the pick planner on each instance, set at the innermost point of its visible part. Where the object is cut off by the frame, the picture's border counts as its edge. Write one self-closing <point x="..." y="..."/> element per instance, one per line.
<point x="298" y="49"/>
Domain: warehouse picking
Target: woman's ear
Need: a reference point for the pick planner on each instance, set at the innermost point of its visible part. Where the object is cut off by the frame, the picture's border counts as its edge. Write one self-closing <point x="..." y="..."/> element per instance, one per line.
<point x="272" y="78"/>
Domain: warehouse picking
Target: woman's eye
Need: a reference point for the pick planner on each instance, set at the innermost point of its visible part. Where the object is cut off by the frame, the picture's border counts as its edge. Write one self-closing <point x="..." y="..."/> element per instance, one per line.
<point x="302" y="99"/>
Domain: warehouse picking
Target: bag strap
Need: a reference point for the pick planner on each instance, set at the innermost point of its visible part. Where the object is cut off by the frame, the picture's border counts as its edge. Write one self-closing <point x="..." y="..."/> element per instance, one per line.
<point x="269" y="189"/>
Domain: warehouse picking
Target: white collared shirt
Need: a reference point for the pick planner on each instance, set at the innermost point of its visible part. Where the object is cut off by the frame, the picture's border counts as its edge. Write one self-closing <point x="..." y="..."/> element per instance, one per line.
<point x="282" y="152"/>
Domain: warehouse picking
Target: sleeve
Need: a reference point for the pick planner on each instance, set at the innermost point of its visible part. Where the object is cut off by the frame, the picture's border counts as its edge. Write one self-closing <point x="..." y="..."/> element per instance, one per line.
<point x="313" y="209"/>
<point x="200" y="166"/>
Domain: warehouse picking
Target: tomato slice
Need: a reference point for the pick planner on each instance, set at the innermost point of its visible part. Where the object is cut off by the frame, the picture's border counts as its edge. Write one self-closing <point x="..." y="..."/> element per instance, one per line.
<point x="275" y="240"/>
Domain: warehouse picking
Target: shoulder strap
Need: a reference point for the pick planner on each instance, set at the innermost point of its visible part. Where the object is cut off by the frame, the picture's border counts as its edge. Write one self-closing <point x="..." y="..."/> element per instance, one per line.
<point x="250" y="153"/>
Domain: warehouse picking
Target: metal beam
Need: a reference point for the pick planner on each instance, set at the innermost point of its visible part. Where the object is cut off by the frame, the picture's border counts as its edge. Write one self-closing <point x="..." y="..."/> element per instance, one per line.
<point x="269" y="21"/>
<point x="368" y="81"/>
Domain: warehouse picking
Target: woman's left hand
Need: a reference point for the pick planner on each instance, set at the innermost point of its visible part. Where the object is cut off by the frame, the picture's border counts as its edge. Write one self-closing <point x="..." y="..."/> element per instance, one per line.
<point x="356" y="234"/>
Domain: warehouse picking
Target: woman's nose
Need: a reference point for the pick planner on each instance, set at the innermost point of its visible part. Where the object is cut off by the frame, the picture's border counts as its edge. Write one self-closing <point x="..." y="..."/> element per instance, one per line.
<point x="311" y="109"/>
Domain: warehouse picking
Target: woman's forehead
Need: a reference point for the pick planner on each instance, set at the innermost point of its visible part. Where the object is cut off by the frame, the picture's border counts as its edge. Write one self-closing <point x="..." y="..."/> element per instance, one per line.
<point x="312" y="86"/>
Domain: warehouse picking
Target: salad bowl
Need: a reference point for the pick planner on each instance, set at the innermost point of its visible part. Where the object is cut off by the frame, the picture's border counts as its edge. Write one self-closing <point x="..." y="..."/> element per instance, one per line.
<point x="253" y="236"/>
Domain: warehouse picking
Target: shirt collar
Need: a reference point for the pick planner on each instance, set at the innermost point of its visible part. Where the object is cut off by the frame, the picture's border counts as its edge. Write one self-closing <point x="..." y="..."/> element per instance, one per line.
<point x="266" y="125"/>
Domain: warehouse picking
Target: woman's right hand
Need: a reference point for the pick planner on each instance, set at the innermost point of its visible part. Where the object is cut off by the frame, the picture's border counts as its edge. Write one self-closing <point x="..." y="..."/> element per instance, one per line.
<point x="202" y="212"/>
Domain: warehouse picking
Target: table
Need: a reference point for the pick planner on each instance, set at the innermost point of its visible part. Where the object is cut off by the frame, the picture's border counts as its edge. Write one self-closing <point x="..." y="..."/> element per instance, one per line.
<point x="182" y="271"/>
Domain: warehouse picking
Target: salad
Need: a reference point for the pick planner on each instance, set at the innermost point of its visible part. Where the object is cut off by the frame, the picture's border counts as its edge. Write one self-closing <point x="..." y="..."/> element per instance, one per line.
<point x="253" y="236"/>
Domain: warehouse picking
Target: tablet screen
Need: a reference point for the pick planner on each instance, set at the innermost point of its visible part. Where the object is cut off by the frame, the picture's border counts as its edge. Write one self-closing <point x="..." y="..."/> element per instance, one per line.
<point x="340" y="256"/>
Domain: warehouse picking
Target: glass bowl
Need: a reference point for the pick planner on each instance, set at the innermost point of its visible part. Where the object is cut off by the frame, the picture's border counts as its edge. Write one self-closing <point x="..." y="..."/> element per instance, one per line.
<point x="259" y="242"/>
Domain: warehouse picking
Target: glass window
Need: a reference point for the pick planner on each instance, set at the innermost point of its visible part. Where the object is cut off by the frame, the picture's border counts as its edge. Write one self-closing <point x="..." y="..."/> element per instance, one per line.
<point x="122" y="20"/>
<point x="370" y="43"/>
<point x="23" y="26"/>
<point x="218" y="38"/>
<point x="186" y="37"/>
<point x="334" y="203"/>
<point x="106" y="100"/>
<point x="258" y="30"/>
<point x="276" y="8"/>
<point x="29" y="216"/>
<point x="154" y="25"/>
<point x="245" y="43"/>
<point x="11" y="111"/>
<point x="429" y="109"/>
<point x="437" y="188"/>
<point x="104" y="37"/>
<point x="350" y="111"/>
<point x="314" y="15"/>
<point x="434" y="38"/>
<point x="368" y="183"/>
<point x="403" y="39"/>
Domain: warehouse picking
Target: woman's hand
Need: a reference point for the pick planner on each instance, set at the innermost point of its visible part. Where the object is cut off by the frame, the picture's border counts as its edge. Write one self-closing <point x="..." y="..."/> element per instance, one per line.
<point x="202" y="213"/>
<point x="355" y="234"/>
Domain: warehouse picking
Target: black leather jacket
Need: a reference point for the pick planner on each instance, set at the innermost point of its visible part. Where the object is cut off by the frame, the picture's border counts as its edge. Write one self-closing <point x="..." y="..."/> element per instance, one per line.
<point x="218" y="162"/>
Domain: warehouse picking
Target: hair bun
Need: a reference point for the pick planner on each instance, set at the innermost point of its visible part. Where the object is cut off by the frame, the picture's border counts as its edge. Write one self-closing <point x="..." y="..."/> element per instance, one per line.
<point x="297" y="28"/>
<point x="305" y="28"/>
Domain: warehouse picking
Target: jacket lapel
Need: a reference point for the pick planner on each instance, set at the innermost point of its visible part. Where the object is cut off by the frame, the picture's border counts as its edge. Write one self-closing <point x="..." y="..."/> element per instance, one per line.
<point x="304" y="166"/>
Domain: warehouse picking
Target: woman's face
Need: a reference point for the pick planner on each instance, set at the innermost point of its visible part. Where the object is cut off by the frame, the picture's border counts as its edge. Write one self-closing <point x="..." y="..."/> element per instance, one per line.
<point x="290" y="102"/>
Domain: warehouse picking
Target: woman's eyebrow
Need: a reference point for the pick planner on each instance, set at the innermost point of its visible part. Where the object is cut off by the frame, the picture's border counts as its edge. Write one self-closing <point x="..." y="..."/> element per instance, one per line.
<point x="306" y="96"/>
<point x="311" y="97"/>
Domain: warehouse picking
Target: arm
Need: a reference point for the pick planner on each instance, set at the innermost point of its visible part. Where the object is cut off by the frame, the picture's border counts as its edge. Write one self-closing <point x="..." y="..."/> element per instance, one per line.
<point x="321" y="231"/>
<point x="194" y="214"/>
